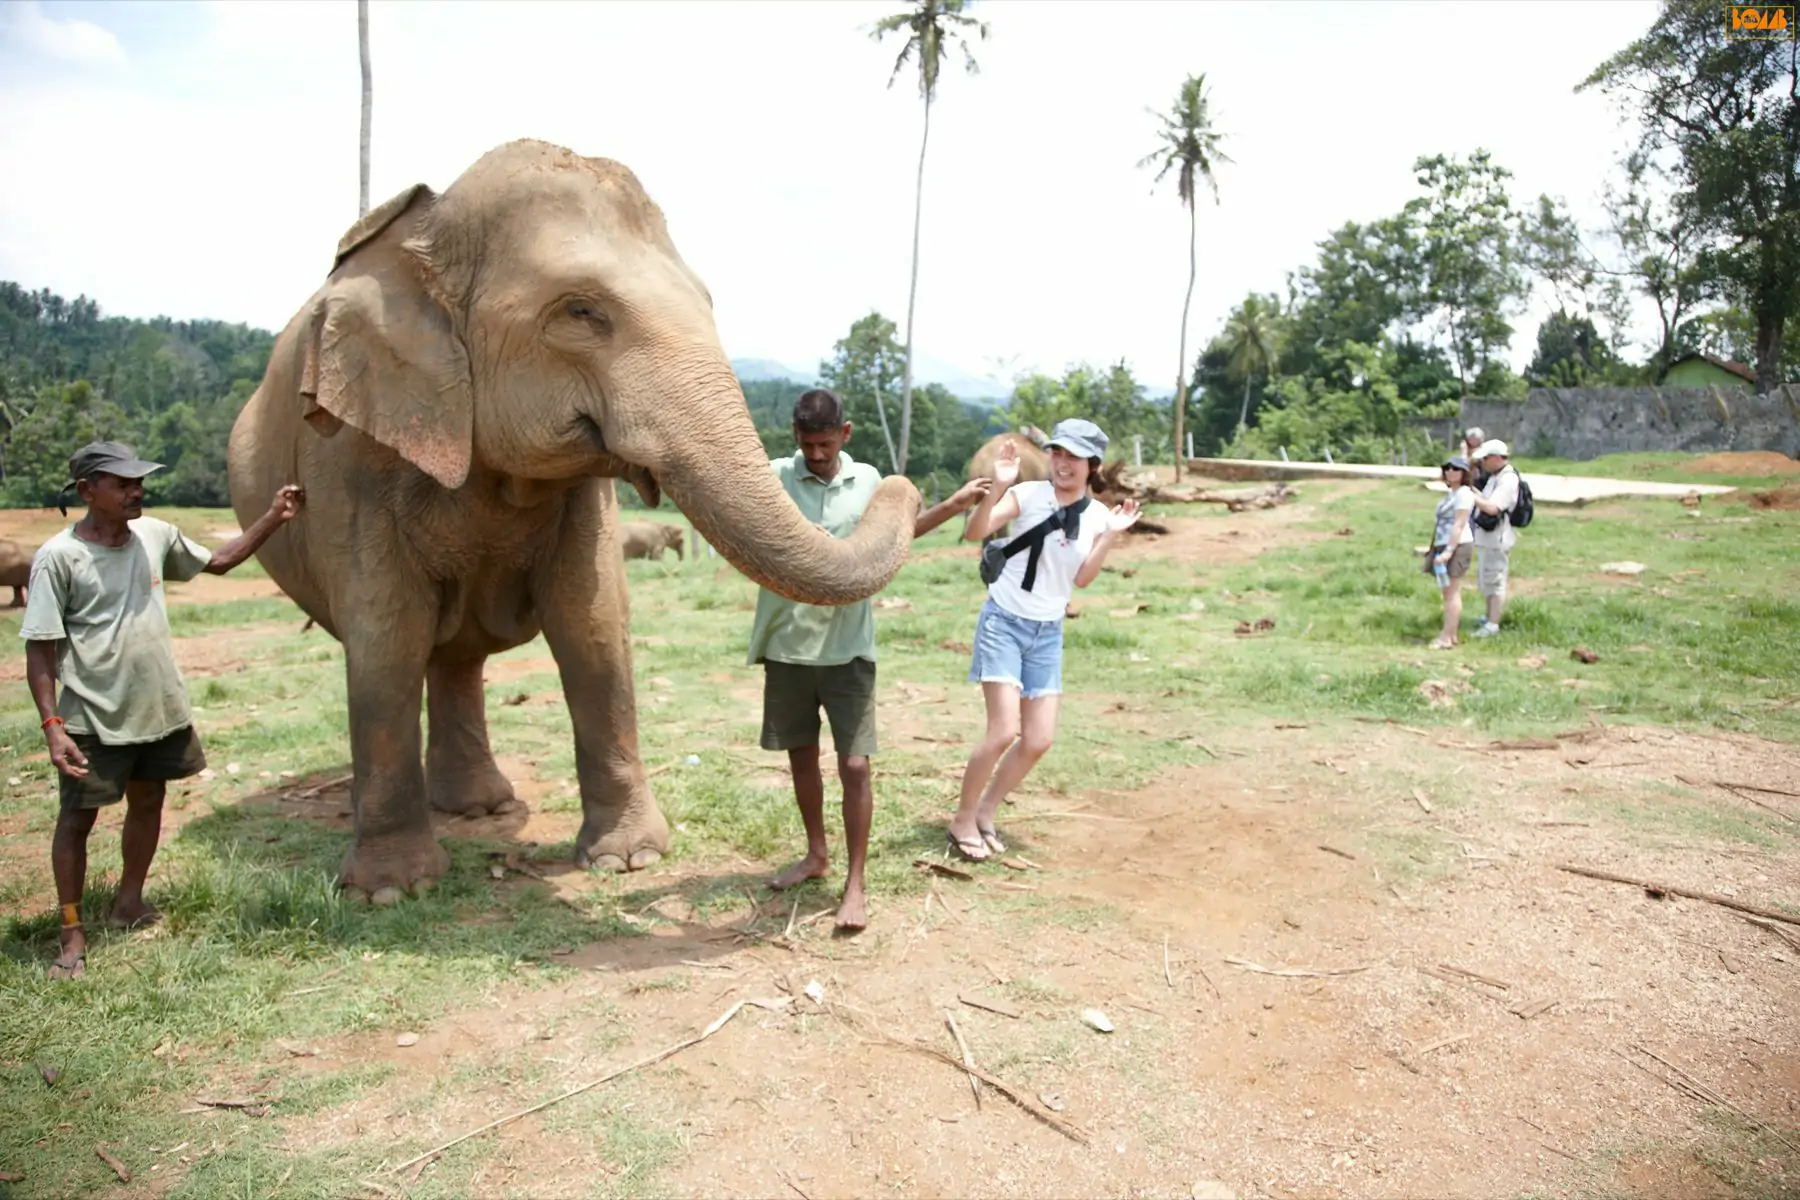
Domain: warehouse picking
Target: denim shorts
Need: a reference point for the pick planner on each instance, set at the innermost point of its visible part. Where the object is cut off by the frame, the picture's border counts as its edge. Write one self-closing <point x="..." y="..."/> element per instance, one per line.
<point x="1011" y="649"/>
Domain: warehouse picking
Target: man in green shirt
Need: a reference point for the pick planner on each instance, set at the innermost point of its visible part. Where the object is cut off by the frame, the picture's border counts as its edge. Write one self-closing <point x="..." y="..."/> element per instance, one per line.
<point x="96" y="621"/>
<point x="816" y="656"/>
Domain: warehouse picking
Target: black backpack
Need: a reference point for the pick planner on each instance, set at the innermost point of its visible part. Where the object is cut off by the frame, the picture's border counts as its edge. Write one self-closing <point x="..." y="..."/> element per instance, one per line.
<point x="1520" y="516"/>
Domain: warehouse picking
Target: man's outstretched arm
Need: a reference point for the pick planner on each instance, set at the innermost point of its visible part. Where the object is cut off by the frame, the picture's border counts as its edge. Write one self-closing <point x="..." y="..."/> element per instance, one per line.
<point x="964" y="498"/>
<point x="286" y="507"/>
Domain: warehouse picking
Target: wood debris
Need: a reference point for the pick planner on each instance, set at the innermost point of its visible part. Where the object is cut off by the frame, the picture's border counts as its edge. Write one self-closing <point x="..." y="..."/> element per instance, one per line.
<point x="987" y="1004"/>
<point x="118" y="1168"/>
<point x="1659" y="890"/>
<point x="1296" y="972"/>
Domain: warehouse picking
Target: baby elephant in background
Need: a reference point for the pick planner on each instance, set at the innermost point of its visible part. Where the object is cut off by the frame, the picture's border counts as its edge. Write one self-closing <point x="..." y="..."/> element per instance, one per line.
<point x="15" y="568"/>
<point x="648" y="539"/>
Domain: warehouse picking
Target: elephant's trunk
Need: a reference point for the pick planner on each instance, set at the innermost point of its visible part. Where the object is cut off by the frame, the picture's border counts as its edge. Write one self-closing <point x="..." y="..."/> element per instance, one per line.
<point x="719" y="476"/>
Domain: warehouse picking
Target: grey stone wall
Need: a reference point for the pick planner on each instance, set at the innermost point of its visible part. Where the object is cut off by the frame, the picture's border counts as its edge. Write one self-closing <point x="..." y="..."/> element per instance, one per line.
<point x="1583" y="423"/>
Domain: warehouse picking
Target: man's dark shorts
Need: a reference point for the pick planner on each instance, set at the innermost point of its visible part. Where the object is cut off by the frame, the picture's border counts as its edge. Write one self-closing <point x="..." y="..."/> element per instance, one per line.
<point x="793" y="695"/>
<point x="110" y="768"/>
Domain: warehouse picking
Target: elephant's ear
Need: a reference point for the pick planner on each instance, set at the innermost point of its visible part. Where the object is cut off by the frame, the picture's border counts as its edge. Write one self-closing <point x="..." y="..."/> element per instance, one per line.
<point x="388" y="359"/>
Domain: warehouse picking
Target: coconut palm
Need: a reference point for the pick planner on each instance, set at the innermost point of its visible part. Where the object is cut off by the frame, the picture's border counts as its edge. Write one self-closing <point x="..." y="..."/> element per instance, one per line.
<point x="1189" y="146"/>
<point x="1251" y="340"/>
<point x="368" y="95"/>
<point x="929" y="27"/>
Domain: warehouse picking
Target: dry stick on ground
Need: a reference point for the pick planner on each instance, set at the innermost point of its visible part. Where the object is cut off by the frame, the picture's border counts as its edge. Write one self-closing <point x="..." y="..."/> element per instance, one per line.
<point x="1738" y="790"/>
<point x="1167" y="977"/>
<point x="1419" y="795"/>
<point x="1339" y="853"/>
<point x="1294" y="972"/>
<point x="1454" y="1038"/>
<point x="1682" y="1081"/>
<point x="1068" y="1129"/>
<point x="1487" y="979"/>
<point x="1775" y="929"/>
<point x="968" y="1059"/>
<point x="719" y="1023"/>
<point x="1670" y="889"/>
<point x="118" y="1168"/>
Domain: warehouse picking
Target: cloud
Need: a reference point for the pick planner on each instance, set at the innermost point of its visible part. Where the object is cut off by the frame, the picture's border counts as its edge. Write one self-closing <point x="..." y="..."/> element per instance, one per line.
<point x="214" y="178"/>
<point x="25" y="25"/>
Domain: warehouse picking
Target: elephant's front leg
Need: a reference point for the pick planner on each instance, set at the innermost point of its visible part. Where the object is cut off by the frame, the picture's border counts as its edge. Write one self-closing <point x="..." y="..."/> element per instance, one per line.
<point x="387" y="643"/>
<point x="460" y="773"/>
<point x="582" y="599"/>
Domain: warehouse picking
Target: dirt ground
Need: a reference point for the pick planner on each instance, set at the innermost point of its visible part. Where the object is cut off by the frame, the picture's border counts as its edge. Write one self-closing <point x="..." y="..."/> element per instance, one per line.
<point x="1785" y="497"/>
<point x="1324" y="980"/>
<point x="1461" y="1018"/>
<point x="1745" y="462"/>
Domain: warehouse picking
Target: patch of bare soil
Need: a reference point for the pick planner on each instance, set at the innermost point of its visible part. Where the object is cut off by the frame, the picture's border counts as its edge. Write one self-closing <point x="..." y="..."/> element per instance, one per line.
<point x="1321" y="986"/>
<point x="217" y="589"/>
<point x="200" y="657"/>
<point x="1746" y="462"/>
<point x="1785" y="498"/>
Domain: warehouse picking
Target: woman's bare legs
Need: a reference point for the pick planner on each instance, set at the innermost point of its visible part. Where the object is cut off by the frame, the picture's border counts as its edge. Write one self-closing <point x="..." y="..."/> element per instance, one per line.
<point x="1002" y="701"/>
<point x="1452" y="614"/>
<point x="1019" y="733"/>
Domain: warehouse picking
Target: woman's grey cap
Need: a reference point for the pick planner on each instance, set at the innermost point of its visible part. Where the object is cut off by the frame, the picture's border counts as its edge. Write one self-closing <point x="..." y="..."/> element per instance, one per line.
<point x="109" y="458"/>
<point x="1079" y="437"/>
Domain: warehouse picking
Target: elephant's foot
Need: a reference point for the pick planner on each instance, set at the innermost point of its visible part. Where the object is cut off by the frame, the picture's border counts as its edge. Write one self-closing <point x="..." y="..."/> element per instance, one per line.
<point x="622" y="839"/>
<point x="473" y="790"/>
<point x="384" y="869"/>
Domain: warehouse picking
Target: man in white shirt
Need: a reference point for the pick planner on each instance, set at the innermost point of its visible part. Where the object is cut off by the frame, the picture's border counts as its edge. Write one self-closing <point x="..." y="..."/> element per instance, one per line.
<point x="1495" y="500"/>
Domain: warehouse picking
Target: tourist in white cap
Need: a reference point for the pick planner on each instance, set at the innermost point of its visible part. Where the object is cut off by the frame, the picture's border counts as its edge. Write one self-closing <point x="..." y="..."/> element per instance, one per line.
<point x="1018" y="639"/>
<point x="1494" y="534"/>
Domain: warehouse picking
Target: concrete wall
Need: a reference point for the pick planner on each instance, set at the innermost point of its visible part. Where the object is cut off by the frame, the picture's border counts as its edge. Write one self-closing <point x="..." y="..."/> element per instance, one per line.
<point x="1583" y="423"/>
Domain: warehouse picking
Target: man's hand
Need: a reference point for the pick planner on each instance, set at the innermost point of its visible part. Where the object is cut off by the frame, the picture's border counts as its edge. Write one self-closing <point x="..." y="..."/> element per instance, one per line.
<point x="969" y="494"/>
<point x="287" y="502"/>
<point x="1444" y="557"/>
<point x="1119" y="519"/>
<point x="1006" y="464"/>
<point x="65" y="754"/>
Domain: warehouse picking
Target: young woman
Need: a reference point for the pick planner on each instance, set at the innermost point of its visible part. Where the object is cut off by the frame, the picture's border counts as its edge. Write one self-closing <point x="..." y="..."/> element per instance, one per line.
<point x="1018" y="636"/>
<point x="1452" y="545"/>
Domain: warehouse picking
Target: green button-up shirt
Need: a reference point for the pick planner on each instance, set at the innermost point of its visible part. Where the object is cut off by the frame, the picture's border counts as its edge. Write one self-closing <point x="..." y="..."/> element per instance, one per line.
<point x="811" y="634"/>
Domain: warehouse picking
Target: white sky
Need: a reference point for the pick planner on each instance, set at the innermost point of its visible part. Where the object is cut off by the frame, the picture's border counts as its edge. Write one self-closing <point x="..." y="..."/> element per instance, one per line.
<point x="200" y="159"/>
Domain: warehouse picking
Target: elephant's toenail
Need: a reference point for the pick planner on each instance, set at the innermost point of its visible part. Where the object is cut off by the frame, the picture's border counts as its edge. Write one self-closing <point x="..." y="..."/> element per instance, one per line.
<point x="356" y="895"/>
<point x="387" y="896"/>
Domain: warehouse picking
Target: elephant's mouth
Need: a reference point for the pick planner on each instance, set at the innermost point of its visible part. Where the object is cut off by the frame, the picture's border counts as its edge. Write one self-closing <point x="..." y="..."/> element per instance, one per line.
<point x="610" y="464"/>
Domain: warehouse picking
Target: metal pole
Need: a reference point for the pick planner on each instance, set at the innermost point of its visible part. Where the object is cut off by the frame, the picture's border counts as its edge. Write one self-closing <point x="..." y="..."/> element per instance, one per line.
<point x="1190" y="441"/>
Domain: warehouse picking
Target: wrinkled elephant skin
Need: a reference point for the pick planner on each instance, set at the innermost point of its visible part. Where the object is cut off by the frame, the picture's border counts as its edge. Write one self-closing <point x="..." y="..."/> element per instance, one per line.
<point x="457" y="400"/>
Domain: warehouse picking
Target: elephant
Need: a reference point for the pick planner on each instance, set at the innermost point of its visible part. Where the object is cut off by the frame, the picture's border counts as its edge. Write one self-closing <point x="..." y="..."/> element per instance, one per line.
<point x="1034" y="461"/>
<point x="648" y="539"/>
<point x="457" y="400"/>
<point x="15" y="569"/>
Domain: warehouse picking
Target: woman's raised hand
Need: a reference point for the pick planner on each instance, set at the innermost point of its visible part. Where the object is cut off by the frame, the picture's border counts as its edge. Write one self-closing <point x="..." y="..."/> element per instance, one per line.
<point x="1123" y="517"/>
<point x="1006" y="464"/>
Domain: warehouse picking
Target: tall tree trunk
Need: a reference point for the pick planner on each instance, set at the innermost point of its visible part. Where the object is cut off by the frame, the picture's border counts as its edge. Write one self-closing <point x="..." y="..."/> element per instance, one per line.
<point x="1244" y="409"/>
<point x="1181" y="378"/>
<point x="912" y="296"/>
<point x="1768" y="352"/>
<point x="881" y="411"/>
<point x="368" y="96"/>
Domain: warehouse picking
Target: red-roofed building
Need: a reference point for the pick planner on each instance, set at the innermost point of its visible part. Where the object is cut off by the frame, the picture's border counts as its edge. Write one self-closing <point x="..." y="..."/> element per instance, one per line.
<point x="1703" y="370"/>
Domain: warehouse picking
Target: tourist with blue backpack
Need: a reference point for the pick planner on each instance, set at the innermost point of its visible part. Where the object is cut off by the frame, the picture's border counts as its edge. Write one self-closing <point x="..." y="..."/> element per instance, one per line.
<point x="1502" y="507"/>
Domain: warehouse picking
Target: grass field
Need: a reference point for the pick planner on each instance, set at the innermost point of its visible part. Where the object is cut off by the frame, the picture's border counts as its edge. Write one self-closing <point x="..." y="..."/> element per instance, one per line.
<point x="1197" y="773"/>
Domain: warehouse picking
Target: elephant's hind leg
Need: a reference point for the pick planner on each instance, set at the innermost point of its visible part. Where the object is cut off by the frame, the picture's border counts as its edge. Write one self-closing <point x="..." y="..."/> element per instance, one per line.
<point x="460" y="773"/>
<point x="385" y="656"/>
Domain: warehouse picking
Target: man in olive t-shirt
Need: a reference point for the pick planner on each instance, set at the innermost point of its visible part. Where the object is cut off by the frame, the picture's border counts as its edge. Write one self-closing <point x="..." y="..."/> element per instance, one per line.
<point x="96" y="621"/>
<point x="819" y="656"/>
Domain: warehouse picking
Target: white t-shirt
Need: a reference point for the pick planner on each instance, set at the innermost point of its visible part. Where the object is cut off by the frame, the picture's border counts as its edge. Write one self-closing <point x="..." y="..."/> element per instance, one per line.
<point x="1059" y="559"/>
<point x="1502" y="489"/>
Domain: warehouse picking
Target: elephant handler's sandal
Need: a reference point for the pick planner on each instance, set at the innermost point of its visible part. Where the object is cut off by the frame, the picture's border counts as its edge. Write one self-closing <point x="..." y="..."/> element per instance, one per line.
<point x="960" y="848"/>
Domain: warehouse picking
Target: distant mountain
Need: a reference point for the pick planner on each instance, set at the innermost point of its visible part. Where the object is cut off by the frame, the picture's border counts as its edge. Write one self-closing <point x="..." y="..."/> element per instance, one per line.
<point x="750" y="370"/>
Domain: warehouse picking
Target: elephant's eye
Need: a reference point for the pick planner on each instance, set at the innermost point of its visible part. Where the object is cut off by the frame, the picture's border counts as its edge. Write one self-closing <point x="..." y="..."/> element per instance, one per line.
<point x="588" y="311"/>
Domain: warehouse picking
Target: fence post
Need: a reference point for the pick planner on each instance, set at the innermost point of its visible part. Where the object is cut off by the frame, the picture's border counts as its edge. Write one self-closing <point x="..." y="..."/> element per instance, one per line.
<point x="1137" y="450"/>
<point x="1328" y="457"/>
<point x="1190" y="440"/>
<point x="1284" y="457"/>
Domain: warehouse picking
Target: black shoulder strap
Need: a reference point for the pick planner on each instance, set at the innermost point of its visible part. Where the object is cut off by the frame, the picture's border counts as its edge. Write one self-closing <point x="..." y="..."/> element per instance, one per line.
<point x="1067" y="519"/>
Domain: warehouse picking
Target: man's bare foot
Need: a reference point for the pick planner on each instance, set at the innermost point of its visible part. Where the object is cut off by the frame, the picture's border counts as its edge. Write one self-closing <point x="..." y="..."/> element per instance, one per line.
<point x="807" y="868"/>
<point x="853" y="913"/>
<point x="133" y="915"/>
<point x="72" y="962"/>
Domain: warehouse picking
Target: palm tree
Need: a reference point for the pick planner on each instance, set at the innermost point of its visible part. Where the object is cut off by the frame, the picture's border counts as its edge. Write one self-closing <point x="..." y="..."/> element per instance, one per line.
<point x="1251" y="340"/>
<point x="1189" y="147"/>
<point x="929" y="25"/>
<point x="368" y="95"/>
